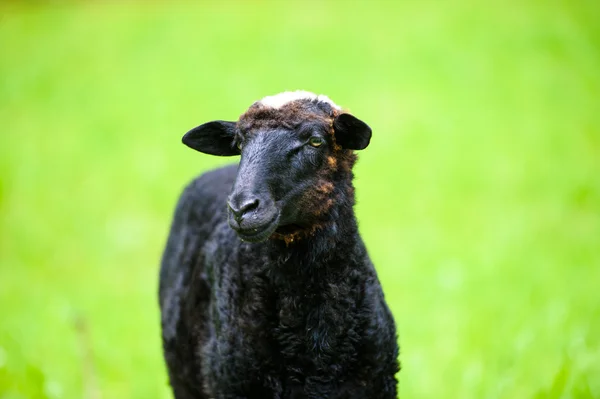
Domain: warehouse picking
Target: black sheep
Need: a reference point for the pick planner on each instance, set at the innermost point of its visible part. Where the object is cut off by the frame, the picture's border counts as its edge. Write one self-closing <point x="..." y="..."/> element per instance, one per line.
<point x="266" y="287"/>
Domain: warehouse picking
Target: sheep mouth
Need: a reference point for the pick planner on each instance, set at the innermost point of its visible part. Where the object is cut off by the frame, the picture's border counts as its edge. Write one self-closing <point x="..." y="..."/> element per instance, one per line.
<point x="259" y="233"/>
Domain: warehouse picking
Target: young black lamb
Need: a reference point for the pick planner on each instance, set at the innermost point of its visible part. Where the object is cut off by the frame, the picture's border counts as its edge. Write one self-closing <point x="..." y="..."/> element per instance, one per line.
<point x="266" y="287"/>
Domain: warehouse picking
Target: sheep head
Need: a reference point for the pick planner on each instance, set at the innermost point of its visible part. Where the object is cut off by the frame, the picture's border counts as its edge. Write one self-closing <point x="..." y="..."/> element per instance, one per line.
<point x="297" y="152"/>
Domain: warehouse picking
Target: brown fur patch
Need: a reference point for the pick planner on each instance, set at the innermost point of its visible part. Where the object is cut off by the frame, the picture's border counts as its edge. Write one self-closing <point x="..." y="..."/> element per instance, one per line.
<point x="324" y="187"/>
<point x="296" y="235"/>
<point x="332" y="162"/>
<point x="292" y="114"/>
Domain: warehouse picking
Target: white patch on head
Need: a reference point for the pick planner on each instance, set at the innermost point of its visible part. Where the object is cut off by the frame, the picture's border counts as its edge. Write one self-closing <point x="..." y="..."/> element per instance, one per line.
<point x="279" y="100"/>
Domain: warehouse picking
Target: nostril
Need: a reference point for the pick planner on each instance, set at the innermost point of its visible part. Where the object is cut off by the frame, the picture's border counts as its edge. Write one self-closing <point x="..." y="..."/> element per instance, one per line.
<point x="249" y="205"/>
<point x="238" y="208"/>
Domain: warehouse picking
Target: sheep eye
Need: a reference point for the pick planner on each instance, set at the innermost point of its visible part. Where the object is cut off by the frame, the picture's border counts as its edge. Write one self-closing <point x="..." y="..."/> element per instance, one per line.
<point x="239" y="145"/>
<point x="316" y="141"/>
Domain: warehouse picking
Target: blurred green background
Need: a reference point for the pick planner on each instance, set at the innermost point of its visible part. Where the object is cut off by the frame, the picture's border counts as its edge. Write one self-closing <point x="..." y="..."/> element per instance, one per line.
<point x="479" y="197"/>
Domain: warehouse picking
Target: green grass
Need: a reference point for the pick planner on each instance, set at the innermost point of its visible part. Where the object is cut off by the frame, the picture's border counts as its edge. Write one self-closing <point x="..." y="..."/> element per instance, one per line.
<point x="479" y="197"/>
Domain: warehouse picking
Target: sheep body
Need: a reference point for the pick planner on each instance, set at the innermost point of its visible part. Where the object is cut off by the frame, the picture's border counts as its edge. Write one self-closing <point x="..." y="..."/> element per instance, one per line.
<point x="282" y="319"/>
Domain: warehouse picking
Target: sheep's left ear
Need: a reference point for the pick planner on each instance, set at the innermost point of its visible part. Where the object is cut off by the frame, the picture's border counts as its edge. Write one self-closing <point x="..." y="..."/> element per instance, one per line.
<point x="351" y="133"/>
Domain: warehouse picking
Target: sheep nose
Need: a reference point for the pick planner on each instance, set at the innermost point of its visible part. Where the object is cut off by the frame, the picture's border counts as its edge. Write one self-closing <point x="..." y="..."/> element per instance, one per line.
<point x="239" y="206"/>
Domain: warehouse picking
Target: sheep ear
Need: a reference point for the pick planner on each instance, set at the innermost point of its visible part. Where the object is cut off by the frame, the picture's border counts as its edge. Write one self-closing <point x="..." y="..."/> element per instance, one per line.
<point x="214" y="138"/>
<point x="351" y="133"/>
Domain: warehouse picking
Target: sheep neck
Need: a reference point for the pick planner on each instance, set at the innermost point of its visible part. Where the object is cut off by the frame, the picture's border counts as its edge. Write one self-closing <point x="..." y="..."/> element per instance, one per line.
<point x="333" y="244"/>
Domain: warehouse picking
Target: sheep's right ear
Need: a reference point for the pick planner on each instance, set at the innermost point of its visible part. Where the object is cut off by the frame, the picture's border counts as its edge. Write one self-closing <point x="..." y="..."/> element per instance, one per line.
<point x="351" y="133"/>
<point x="214" y="138"/>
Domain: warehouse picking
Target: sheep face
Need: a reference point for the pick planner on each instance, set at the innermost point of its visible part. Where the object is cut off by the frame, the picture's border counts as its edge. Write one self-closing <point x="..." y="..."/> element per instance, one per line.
<point x="293" y="154"/>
